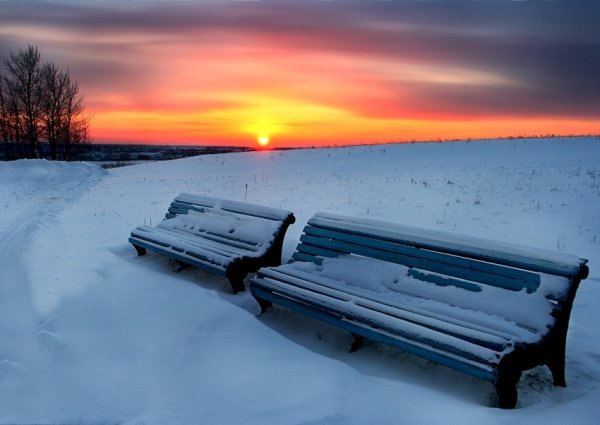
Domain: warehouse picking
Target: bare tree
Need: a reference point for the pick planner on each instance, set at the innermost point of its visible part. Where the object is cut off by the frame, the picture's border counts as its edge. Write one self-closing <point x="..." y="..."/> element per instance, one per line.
<point x="24" y="83"/>
<point x="65" y="123"/>
<point x="4" y="120"/>
<point x="40" y="103"/>
<point x="75" y="123"/>
<point x="11" y="123"/>
<point x="53" y="105"/>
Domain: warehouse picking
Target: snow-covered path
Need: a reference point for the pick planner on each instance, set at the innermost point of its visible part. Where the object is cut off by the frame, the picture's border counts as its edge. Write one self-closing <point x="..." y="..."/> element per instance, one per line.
<point x="34" y="193"/>
<point x="91" y="333"/>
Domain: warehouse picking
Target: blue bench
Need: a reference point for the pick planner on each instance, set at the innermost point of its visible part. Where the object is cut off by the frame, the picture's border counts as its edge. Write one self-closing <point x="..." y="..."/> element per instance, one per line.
<point x="227" y="237"/>
<point x="489" y="309"/>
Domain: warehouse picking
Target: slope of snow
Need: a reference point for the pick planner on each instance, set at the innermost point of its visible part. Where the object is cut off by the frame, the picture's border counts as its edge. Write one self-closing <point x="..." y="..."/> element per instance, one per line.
<point x="91" y="333"/>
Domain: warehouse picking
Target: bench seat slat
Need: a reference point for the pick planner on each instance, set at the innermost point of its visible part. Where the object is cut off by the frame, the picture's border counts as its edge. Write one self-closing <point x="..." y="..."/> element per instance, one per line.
<point x="493" y="337"/>
<point x="236" y="243"/>
<point x="214" y="237"/>
<point x="218" y="237"/>
<point x="177" y="254"/>
<point x="352" y="311"/>
<point x="529" y="314"/>
<point x="470" y="367"/>
<point x="189" y="243"/>
<point x="503" y="329"/>
<point x="465" y="365"/>
<point x="184" y="250"/>
<point x="248" y="233"/>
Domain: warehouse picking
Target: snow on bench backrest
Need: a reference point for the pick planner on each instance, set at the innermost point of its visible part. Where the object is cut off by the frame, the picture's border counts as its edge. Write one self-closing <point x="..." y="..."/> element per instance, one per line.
<point x="254" y="233"/>
<point x="528" y="258"/>
<point x="444" y="268"/>
<point x="187" y="201"/>
<point x="239" y="224"/>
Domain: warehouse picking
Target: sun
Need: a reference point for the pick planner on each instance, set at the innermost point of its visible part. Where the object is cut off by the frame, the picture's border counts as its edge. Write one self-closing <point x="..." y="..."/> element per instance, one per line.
<point x="263" y="140"/>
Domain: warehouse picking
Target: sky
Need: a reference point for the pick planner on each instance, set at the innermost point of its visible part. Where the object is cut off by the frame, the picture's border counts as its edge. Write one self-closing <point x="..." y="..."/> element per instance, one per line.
<point x="320" y="72"/>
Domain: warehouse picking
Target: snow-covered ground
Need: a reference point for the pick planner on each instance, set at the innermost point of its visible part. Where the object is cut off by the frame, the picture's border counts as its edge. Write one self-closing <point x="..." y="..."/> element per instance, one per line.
<point x="91" y="333"/>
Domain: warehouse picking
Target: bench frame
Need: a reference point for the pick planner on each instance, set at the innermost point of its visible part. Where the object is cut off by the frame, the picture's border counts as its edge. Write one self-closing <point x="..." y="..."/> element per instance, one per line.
<point x="549" y="350"/>
<point x="238" y="269"/>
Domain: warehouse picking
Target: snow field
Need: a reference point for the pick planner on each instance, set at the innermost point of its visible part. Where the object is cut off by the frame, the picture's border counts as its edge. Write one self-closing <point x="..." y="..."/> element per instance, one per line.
<point x="90" y="333"/>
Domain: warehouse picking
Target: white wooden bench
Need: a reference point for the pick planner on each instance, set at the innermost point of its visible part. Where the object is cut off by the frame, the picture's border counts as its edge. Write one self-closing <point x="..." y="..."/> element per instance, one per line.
<point x="227" y="237"/>
<point x="486" y="308"/>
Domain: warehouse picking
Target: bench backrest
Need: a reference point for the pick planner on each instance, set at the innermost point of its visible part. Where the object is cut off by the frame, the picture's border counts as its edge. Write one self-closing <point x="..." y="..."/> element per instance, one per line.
<point x="243" y="224"/>
<point x="185" y="202"/>
<point x="453" y="259"/>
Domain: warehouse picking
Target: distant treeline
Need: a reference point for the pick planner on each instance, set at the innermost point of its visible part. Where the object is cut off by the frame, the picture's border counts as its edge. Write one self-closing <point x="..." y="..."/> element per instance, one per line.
<point x="111" y="155"/>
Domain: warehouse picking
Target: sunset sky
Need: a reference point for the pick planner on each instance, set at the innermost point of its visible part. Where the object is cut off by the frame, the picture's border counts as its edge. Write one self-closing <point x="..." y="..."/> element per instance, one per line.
<point x="309" y="72"/>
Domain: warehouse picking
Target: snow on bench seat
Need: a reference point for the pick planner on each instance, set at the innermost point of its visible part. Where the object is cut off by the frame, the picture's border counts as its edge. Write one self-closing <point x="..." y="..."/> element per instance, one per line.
<point x="476" y="305"/>
<point x="227" y="237"/>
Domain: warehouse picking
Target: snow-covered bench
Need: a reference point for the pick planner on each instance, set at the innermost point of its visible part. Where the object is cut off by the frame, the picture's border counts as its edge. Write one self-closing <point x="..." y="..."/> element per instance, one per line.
<point x="486" y="308"/>
<point x="227" y="237"/>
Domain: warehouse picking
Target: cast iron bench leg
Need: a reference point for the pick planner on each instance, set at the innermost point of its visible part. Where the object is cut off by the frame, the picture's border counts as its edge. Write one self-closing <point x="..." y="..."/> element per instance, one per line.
<point x="236" y="279"/>
<point x="506" y="388"/>
<point x="557" y="367"/>
<point x="140" y="250"/>
<point x="181" y="266"/>
<point x="264" y="305"/>
<point x="356" y="343"/>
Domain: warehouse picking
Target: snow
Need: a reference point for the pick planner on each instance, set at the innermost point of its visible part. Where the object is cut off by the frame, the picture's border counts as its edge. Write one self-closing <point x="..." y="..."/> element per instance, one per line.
<point x="224" y="205"/>
<point x="524" y="316"/>
<point x="252" y="232"/>
<point x="91" y="333"/>
<point x="512" y="254"/>
<point x="213" y="231"/>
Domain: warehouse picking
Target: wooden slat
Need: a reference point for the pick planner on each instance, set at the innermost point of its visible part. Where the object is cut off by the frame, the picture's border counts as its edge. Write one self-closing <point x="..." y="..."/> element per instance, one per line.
<point x="186" y="207"/>
<point x="317" y="250"/>
<point x="428" y="254"/>
<point x="513" y="255"/>
<point x="444" y="280"/>
<point x="311" y="281"/>
<point x="205" y="254"/>
<point x="472" y="368"/>
<point x="140" y="237"/>
<point x="165" y="238"/>
<point x="201" y="239"/>
<point x="243" y="208"/>
<point x="180" y="256"/>
<point x="370" y="317"/>
<point x="396" y="325"/>
<point x="301" y="256"/>
<point x="228" y="239"/>
<point x="314" y="244"/>
<point x="223" y="238"/>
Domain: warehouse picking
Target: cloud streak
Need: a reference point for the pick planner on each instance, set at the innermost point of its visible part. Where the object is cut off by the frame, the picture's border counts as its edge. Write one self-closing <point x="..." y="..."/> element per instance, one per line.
<point x="380" y="64"/>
